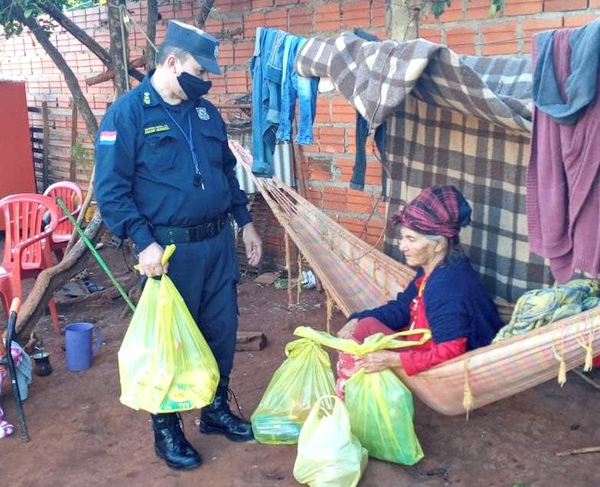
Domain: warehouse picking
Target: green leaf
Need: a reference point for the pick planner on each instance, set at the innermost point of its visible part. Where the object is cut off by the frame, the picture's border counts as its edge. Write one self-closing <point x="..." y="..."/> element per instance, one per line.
<point x="27" y="13"/>
<point x="493" y="10"/>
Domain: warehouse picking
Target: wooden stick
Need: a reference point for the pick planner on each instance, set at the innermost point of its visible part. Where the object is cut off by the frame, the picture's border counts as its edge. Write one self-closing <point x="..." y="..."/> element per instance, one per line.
<point x="577" y="451"/>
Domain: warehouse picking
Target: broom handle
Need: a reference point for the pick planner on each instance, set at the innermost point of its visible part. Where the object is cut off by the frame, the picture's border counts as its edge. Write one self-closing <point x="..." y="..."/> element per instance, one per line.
<point x="95" y="253"/>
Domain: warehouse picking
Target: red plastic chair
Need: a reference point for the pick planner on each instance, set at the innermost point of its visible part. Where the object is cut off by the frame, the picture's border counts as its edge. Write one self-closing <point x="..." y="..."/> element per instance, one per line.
<point x="72" y="196"/>
<point x="27" y="244"/>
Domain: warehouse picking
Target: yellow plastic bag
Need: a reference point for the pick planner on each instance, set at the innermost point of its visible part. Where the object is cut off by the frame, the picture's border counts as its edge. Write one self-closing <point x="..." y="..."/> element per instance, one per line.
<point x="381" y="414"/>
<point x="304" y="376"/>
<point x="165" y="364"/>
<point x="380" y="405"/>
<point x="329" y="455"/>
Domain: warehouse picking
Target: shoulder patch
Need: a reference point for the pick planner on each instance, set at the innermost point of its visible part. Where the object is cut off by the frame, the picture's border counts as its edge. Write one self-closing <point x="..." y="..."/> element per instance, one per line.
<point x="202" y="113"/>
<point x="108" y="137"/>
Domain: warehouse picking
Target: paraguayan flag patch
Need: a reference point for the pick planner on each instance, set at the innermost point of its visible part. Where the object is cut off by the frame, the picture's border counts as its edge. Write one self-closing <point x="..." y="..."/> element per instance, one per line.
<point x="108" y="137"/>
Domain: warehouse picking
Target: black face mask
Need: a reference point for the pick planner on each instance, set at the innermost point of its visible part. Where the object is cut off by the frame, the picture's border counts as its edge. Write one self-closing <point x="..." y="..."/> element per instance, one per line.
<point x="193" y="87"/>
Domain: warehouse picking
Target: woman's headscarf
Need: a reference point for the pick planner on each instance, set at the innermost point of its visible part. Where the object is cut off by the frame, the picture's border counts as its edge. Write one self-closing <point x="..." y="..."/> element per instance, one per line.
<point x="438" y="210"/>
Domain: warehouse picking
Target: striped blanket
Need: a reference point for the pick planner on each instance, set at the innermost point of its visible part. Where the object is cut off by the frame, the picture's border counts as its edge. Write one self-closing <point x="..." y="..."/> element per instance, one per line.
<point x="461" y="120"/>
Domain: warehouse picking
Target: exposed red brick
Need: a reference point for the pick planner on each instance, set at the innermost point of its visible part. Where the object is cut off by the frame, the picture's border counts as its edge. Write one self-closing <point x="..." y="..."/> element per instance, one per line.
<point x="379" y="14"/>
<point x="251" y="22"/>
<point x="262" y="4"/>
<point x="433" y="35"/>
<point x="532" y="26"/>
<point x="331" y="139"/>
<point x="328" y="17"/>
<point x="356" y="14"/>
<point x="564" y="5"/>
<point x="243" y="51"/>
<point x="342" y="111"/>
<point x="522" y="7"/>
<point x="478" y="10"/>
<point x="276" y="19"/>
<point x="452" y="13"/>
<point x="323" y="112"/>
<point x="285" y="3"/>
<point x="300" y="20"/>
<point x="499" y="38"/>
<point x="226" y="54"/>
<point x="579" y="20"/>
<point x="236" y="81"/>
<point x="461" y="40"/>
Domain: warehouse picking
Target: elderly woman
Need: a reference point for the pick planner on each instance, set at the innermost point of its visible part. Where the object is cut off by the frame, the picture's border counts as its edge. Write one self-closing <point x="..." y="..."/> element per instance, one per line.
<point x="446" y="295"/>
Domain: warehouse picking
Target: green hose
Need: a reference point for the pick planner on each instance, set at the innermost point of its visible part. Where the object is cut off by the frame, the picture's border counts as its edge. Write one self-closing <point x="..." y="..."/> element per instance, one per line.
<point x="95" y="253"/>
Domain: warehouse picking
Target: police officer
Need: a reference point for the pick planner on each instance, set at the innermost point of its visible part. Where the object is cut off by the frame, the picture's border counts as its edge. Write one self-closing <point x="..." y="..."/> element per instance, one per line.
<point x="165" y="174"/>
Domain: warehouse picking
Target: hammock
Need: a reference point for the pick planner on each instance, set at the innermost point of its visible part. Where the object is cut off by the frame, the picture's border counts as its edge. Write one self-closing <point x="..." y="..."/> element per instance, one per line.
<point x="359" y="277"/>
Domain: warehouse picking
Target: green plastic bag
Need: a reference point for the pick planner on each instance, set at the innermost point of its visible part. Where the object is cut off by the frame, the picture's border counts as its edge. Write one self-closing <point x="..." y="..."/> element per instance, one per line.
<point x="304" y="376"/>
<point x="165" y="364"/>
<point x="381" y="414"/>
<point x="329" y="455"/>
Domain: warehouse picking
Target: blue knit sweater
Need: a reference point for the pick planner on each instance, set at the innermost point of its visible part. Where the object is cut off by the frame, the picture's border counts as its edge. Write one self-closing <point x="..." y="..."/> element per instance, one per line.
<point x="457" y="305"/>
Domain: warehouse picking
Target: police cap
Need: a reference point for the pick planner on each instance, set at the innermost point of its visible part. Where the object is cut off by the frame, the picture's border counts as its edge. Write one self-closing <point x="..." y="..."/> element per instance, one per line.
<point x="203" y="47"/>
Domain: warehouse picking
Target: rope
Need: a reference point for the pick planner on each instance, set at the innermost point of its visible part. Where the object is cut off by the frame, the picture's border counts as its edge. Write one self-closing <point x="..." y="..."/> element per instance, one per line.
<point x="589" y="348"/>
<point x="329" y="311"/>
<point x="562" y="367"/>
<point x="299" y="287"/>
<point x="288" y="266"/>
<point x="467" y="393"/>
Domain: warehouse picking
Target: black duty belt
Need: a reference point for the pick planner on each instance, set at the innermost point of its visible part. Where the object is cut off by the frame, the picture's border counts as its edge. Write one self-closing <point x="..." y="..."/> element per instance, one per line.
<point x="174" y="235"/>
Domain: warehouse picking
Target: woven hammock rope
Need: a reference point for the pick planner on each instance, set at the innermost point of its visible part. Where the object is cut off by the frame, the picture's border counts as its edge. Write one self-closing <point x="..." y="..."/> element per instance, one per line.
<point x="356" y="277"/>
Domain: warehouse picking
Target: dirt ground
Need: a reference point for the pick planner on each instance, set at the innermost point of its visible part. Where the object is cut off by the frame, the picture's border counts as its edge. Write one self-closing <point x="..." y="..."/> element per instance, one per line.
<point x="82" y="436"/>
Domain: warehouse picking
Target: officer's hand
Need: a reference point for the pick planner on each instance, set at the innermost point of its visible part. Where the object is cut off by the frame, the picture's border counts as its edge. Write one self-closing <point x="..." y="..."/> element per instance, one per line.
<point x="150" y="261"/>
<point x="253" y="244"/>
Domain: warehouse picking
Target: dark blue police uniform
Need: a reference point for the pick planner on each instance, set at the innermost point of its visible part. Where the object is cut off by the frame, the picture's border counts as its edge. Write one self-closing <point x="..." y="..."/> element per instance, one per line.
<point x="151" y="188"/>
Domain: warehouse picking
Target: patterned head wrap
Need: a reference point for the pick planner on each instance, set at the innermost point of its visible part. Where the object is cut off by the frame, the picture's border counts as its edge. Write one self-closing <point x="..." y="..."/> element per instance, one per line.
<point x="439" y="210"/>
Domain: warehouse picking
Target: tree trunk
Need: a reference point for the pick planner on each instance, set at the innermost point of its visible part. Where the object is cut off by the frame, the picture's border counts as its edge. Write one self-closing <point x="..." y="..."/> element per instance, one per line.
<point x="54" y="278"/>
<point x="80" y="99"/>
<point x="79" y="34"/>
<point x="206" y="7"/>
<point x="118" y="46"/>
<point x="152" y="19"/>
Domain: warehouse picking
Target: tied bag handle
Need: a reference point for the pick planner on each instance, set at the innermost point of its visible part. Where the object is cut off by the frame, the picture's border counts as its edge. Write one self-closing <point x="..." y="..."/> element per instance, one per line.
<point x="297" y="347"/>
<point x="379" y="341"/>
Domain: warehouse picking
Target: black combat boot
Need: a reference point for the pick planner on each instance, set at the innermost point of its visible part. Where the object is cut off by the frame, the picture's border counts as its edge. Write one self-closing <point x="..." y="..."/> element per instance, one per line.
<point x="170" y="444"/>
<point x="217" y="418"/>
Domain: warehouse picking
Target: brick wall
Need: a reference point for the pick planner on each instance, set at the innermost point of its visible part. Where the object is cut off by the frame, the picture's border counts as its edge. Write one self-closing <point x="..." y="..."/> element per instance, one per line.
<point x="327" y="164"/>
<point x="467" y="28"/>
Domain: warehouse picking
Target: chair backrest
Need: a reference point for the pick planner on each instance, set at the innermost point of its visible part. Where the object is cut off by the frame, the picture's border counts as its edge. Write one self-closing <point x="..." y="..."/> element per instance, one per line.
<point x="26" y="229"/>
<point x="72" y="196"/>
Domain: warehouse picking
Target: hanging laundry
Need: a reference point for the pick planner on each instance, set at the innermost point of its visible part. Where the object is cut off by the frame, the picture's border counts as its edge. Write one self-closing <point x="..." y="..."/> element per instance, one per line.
<point x="563" y="176"/>
<point x="566" y="103"/>
<point x="275" y="89"/>
<point x="362" y="132"/>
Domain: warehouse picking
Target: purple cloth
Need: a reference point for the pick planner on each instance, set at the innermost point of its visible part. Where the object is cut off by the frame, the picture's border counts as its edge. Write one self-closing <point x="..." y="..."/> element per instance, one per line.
<point x="563" y="191"/>
<point x="438" y="210"/>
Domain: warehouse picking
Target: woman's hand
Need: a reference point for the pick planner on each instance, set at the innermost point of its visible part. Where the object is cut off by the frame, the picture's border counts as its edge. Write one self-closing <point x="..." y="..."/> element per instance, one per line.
<point x="378" y="361"/>
<point x="347" y="330"/>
